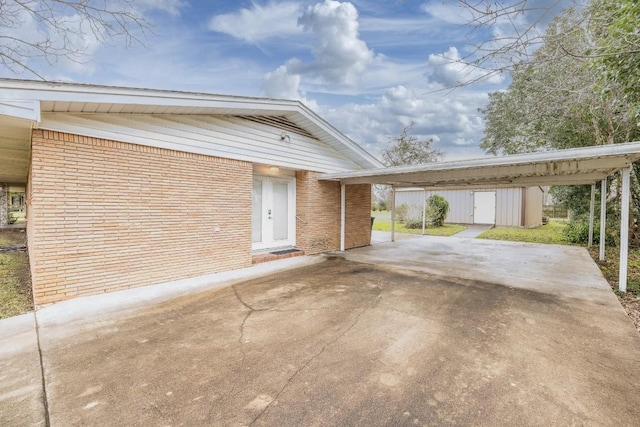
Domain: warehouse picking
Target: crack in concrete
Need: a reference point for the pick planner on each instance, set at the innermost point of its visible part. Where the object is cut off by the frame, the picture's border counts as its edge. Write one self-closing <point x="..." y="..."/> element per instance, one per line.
<point x="244" y="321"/>
<point x="315" y="356"/>
<point x="235" y="291"/>
<point x="45" y="400"/>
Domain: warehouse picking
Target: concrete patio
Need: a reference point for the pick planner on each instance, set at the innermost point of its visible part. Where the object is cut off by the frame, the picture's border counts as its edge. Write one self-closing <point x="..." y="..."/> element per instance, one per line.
<point x="424" y="331"/>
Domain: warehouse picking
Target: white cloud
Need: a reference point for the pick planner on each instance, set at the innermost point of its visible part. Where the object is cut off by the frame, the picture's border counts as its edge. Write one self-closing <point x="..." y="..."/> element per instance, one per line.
<point x="452" y="120"/>
<point x="449" y="69"/>
<point x="340" y="56"/>
<point x="259" y="22"/>
<point x="451" y="12"/>
<point x="281" y="84"/>
<point x="169" y="6"/>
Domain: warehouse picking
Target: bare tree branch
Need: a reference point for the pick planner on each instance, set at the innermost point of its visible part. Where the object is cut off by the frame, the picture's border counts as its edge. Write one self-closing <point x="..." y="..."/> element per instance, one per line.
<point x="64" y="29"/>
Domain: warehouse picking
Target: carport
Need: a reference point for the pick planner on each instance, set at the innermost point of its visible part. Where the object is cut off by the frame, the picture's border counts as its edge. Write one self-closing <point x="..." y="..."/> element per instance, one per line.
<point x="578" y="166"/>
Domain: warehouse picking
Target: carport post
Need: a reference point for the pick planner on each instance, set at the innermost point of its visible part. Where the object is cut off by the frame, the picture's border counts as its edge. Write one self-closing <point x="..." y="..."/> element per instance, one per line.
<point x="393" y="214"/>
<point x="424" y="209"/>
<point x="591" y="213"/>
<point x="343" y="215"/>
<point x="624" y="230"/>
<point x="603" y="215"/>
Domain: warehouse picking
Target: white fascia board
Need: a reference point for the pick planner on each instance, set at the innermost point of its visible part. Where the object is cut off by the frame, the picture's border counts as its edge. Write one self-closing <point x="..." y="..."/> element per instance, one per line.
<point x="67" y="92"/>
<point x="21" y="109"/>
<point x="626" y="153"/>
<point x="71" y="92"/>
<point x="335" y="133"/>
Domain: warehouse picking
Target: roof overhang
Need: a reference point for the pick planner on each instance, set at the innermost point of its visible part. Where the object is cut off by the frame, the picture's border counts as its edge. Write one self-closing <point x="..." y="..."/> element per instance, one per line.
<point x="23" y="101"/>
<point x="562" y="167"/>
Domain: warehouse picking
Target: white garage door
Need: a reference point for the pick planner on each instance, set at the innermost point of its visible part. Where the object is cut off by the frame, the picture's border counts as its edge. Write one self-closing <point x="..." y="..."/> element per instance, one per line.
<point x="484" y="207"/>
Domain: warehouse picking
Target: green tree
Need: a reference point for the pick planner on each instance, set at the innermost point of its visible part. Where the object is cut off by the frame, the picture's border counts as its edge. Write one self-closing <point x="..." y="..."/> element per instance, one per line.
<point x="560" y="99"/>
<point x="614" y="26"/>
<point x="553" y="101"/>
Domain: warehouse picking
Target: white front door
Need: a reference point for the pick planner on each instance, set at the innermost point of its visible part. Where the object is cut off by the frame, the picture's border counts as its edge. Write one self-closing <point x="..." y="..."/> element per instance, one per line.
<point x="484" y="207"/>
<point x="273" y="212"/>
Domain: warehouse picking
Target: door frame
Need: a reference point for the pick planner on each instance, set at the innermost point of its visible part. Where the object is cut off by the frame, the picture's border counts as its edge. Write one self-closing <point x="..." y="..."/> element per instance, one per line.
<point x="267" y="203"/>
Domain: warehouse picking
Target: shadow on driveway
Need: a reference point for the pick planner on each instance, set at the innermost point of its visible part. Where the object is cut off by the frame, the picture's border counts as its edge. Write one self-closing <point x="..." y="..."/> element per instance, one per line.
<point x="350" y="343"/>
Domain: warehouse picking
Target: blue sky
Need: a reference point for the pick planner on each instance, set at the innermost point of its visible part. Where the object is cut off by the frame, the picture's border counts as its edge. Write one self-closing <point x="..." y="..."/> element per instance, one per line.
<point x="368" y="67"/>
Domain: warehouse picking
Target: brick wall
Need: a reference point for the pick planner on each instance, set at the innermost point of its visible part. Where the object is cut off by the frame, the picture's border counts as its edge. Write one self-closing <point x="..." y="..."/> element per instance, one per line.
<point x="107" y="215"/>
<point x="358" y="224"/>
<point x="318" y="210"/>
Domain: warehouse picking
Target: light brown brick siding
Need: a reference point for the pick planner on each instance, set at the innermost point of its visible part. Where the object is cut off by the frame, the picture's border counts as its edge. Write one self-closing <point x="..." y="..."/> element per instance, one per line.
<point x="318" y="211"/>
<point x="358" y="225"/>
<point x="107" y="215"/>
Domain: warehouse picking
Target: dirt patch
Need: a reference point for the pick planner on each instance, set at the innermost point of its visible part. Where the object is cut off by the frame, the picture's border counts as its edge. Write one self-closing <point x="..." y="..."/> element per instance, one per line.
<point x="15" y="277"/>
<point x="12" y="237"/>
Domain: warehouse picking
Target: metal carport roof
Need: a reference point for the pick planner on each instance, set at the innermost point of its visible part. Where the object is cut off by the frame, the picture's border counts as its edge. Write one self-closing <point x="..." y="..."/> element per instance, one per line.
<point x="563" y="167"/>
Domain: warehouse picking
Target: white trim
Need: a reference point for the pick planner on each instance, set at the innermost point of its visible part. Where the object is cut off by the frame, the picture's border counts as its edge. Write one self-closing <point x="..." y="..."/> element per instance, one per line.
<point x="393" y="214"/>
<point x="624" y="230"/>
<point x="343" y="216"/>
<point x="78" y="98"/>
<point x="267" y="226"/>
<point x="205" y="134"/>
<point x="21" y="109"/>
<point x="583" y="153"/>
<point x="424" y="210"/>
<point x="592" y="213"/>
<point x="603" y="216"/>
<point x="573" y="166"/>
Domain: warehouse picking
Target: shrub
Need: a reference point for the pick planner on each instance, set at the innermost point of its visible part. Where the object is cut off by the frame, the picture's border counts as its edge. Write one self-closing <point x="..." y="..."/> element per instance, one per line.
<point x="437" y="210"/>
<point x="413" y="224"/>
<point x="382" y="205"/>
<point x="577" y="231"/>
<point x="401" y="212"/>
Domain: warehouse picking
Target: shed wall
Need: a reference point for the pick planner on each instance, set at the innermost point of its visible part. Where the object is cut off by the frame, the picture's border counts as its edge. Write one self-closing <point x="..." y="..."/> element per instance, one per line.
<point x="508" y="204"/>
<point x="534" y="205"/>
<point x="509" y="207"/>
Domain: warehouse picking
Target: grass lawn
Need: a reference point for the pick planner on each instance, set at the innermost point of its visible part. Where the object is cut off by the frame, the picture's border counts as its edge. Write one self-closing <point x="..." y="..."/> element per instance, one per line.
<point x="15" y="279"/>
<point x="383" y="223"/>
<point x="550" y="233"/>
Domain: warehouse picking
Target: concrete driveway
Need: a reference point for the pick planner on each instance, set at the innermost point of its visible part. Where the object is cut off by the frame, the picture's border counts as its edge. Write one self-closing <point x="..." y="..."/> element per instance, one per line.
<point x="427" y="331"/>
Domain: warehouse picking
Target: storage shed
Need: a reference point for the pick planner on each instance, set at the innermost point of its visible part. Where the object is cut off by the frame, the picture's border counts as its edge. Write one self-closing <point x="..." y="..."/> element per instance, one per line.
<point x="508" y="207"/>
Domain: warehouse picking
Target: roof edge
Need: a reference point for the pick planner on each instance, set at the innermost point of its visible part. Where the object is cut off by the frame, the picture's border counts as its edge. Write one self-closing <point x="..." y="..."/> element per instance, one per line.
<point x="626" y="148"/>
<point x="42" y="90"/>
